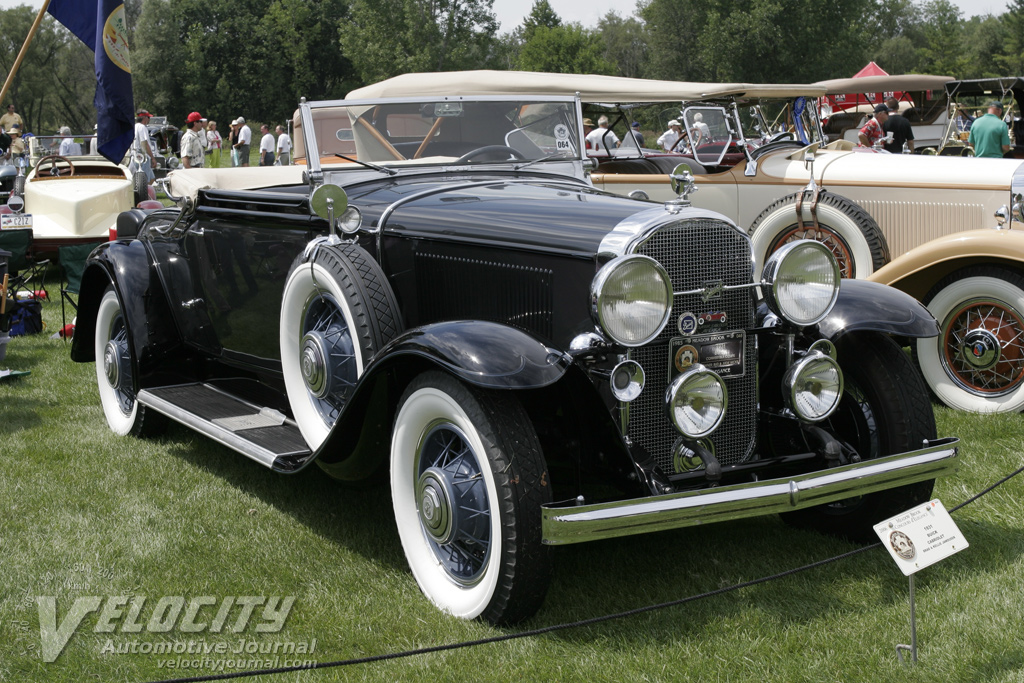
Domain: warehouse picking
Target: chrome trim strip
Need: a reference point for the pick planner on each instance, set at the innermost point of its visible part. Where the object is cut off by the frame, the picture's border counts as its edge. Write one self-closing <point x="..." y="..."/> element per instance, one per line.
<point x="627" y="235"/>
<point x="219" y="434"/>
<point x="576" y="524"/>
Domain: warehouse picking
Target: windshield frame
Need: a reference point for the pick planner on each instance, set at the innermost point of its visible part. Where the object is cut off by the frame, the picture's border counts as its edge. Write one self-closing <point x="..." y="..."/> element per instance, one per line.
<point x="313" y="160"/>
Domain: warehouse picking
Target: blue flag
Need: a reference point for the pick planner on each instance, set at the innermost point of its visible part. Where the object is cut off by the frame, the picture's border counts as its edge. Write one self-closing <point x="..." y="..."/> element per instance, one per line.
<point x="101" y="25"/>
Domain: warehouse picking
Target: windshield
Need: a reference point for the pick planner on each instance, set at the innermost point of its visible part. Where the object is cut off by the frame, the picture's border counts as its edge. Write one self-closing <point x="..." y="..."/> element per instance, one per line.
<point x="462" y="130"/>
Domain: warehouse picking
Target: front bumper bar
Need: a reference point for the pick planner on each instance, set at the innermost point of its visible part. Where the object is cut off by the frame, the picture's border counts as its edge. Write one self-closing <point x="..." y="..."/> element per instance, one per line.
<point x="563" y="524"/>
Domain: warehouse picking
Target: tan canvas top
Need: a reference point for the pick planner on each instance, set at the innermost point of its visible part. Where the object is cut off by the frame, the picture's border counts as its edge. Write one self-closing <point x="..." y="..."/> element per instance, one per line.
<point x="591" y="87"/>
<point x="904" y="83"/>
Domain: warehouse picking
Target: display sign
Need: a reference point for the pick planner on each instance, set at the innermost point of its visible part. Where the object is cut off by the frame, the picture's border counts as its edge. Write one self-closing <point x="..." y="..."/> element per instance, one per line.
<point x="921" y="536"/>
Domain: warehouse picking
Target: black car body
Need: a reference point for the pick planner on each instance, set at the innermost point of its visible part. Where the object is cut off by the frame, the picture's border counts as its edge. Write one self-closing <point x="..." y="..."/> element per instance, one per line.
<point x="460" y="313"/>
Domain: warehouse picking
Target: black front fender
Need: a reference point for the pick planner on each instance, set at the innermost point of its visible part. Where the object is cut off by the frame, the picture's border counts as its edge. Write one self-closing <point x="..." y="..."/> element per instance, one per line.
<point x="869" y="306"/>
<point x="486" y="354"/>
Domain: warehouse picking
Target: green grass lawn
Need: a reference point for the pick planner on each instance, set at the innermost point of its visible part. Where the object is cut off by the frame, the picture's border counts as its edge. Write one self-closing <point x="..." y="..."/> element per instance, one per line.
<point x="87" y="513"/>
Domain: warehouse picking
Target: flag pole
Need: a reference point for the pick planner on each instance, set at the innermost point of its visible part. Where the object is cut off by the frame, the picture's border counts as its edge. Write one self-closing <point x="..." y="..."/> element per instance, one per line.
<point x="24" y="49"/>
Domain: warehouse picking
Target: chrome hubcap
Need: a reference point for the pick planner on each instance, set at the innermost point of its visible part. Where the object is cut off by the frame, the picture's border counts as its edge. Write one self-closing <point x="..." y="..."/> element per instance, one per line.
<point x="111" y="364"/>
<point x="436" y="512"/>
<point x="313" y="364"/>
<point x="980" y="349"/>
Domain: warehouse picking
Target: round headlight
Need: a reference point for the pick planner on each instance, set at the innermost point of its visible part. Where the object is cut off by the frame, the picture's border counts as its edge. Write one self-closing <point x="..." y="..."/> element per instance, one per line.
<point x="696" y="401"/>
<point x="813" y="386"/>
<point x="801" y="282"/>
<point x="631" y="299"/>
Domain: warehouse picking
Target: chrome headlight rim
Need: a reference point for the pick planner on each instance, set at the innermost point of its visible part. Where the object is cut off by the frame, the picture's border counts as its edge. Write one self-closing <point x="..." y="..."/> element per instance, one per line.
<point x="598" y="290"/>
<point x="675" y="388"/>
<point x="778" y="264"/>
<point x="803" y="368"/>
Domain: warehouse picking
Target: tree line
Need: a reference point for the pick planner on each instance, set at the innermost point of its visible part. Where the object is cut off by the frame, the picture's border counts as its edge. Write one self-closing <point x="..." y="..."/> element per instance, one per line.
<point x="256" y="58"/>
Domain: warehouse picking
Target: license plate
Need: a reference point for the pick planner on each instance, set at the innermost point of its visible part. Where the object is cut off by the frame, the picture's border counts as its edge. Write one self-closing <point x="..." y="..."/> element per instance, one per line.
<point x="721" y="352"/>
<point x="15" y="220"/>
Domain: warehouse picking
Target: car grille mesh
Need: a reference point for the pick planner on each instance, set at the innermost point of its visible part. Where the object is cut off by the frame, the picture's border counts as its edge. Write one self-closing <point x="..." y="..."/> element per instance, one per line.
<point x="697" y="253"/>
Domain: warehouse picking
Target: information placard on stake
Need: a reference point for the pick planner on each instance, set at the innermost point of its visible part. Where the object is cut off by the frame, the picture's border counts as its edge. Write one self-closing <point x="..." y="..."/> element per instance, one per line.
<point x="921" y="536"/>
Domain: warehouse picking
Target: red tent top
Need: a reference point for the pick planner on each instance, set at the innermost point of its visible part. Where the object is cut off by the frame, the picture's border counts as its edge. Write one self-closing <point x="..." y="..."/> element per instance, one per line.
<point x="851" y="100"/>
<point x="871" y="69"/>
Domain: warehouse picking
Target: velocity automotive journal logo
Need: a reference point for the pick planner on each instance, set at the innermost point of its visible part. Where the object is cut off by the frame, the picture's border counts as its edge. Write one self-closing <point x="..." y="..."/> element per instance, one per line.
<point x="136" y="614"/>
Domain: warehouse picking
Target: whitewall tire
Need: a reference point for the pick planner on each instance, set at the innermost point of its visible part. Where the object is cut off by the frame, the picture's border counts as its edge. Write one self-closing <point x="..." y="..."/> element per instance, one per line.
<point x="977" y="361"/>
<point x="337" y="311"/>
<point x="115" y="373"/>
<point x="467" y="482"/>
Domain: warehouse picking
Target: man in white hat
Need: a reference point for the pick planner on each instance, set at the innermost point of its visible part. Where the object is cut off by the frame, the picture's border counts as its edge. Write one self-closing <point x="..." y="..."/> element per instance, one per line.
<point x="244" y="140"/>
<point x="670" y="139"/>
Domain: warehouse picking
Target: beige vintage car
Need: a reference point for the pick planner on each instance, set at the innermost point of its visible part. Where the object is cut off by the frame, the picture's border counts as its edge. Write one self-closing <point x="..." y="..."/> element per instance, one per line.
<point x="870" y="207"/>
<point x="74" y="199"/>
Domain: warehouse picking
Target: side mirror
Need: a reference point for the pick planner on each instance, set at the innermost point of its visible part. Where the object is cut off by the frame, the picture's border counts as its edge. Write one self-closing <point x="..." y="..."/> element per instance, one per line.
<point x="327" y="202"/>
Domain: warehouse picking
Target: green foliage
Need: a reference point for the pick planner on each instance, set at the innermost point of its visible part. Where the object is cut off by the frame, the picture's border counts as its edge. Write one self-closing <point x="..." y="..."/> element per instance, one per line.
<point x="384" y="38"/>
<point x="540" y="15"/>
<point x="567" y="48"/>
<point x="625" y="44"/>
<point x="252" y="58"/>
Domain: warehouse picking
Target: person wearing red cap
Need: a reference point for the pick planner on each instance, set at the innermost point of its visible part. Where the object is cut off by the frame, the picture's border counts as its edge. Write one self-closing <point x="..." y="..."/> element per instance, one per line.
<point x="140" y="147"/>
<point x="192" y="152"/>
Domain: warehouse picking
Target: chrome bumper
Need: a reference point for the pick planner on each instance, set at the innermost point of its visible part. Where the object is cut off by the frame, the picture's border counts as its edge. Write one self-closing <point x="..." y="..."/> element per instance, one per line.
<point x="579" y="523"/>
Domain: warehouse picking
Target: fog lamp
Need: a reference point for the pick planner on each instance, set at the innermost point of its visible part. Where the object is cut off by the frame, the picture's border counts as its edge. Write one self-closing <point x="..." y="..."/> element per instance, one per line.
<point x="696" y="401"/>
<point x="813" y="386"/>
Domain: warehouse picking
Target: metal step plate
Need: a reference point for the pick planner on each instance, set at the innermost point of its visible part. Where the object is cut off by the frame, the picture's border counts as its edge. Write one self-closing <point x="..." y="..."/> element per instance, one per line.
<point x="260" y="433"/>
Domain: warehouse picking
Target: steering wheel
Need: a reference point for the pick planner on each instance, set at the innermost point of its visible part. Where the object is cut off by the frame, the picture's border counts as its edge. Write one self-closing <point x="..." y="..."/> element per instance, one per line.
<point x="491" y="149"/>
<point x="54" y="159"/>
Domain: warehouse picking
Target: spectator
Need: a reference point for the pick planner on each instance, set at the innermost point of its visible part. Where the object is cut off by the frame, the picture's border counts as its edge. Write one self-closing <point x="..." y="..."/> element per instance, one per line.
<point x="68" y="146"/>
<point x="703" y="132"/>
<point x="17" y="143"/>
<point x="140" y="147"/>
<point x="8" y="120"/>
<point x="244" y="141"/>
<point x="635" y="127"/>
<point x="671" y="139"/>
<point x="284" y="147"/>
<point x="233" y="140"/>
<point x="902" y="131"/>
<point x="192" y="155"/>
<point x="872" y="131"/>
<point x="602" y="137"/>
<point x="266" y="146"/>
<point x="989" y="135"/>
<point x="588" y="126"/>
<point x="215" y="142"/>
<point x="203" y="139"/>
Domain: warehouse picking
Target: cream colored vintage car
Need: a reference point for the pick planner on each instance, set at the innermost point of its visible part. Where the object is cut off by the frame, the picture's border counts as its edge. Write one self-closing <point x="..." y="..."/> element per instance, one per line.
<point x="870" y="207"/>
<point x="69" y="200"/>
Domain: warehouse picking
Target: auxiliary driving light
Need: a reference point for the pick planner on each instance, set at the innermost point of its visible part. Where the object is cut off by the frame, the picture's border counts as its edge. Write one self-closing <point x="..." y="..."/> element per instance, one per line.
<point x="627" y="380"/>
<point x="813" y="386"/>
<point x="696" y="401"/>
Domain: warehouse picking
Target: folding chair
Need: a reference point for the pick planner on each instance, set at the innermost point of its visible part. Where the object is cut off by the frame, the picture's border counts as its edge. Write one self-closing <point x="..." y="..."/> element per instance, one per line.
<point x="25" y="273"/>
<point x="72" y="265"/>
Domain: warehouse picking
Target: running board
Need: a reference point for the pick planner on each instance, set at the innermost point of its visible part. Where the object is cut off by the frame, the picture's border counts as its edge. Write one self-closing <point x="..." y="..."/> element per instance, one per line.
<point x="262" y="434"/>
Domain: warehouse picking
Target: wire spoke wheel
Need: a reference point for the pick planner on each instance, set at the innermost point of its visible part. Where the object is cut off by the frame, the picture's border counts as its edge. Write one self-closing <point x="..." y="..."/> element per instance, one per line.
<point x="827" y="236"/>
<point x="983" y="346"/>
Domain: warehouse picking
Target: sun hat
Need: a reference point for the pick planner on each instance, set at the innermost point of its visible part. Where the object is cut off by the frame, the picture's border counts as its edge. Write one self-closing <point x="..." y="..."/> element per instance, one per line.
<point x="673" y="122"/>
<point x="143" y="112"/>
<point x="588" y="122"/>
<point x="193" y="117"/>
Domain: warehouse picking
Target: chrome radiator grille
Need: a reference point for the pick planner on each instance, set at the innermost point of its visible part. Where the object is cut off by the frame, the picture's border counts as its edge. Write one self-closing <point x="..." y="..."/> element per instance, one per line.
<point x="697" y="253"/>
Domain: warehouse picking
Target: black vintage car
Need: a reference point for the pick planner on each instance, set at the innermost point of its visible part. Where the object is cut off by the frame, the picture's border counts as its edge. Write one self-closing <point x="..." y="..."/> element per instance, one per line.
<point x="526" y="360"/>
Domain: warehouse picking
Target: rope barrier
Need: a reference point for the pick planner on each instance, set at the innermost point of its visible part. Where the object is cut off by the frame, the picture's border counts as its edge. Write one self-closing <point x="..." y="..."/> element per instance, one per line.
<point x="569" y="625"/>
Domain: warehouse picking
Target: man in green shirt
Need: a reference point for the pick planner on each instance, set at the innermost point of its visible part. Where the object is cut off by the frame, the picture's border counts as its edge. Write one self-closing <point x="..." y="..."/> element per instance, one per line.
<point x="989" y="135"/>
